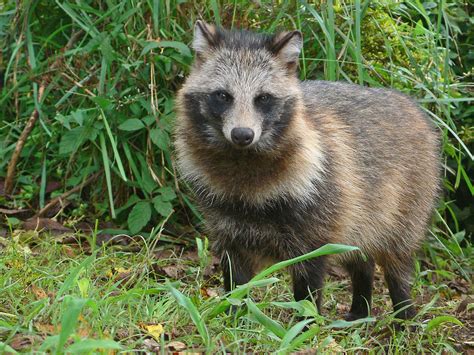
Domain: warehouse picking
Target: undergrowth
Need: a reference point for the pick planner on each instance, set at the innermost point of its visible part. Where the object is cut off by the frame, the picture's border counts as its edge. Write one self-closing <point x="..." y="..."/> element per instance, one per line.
<point x="95" y="82"/>
<point x="57" y="295"/>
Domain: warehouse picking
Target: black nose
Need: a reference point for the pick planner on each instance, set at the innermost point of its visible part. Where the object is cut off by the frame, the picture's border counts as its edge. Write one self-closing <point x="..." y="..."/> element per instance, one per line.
<point x="242" y="136"/>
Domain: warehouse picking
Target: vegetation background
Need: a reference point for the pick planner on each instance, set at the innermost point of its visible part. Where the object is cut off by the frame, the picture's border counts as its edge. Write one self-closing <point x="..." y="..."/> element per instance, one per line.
<point x="86" y="107"/>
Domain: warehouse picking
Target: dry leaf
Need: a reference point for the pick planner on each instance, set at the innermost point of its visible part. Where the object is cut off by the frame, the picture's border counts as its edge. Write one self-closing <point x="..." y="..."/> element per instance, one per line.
<point x="38" y="292"/>
<point x="171" y="271"/>
<point x="151" y="345"/>
<point x="209" y="292"/>
<point x="463" y="305"/>
<point x="47" y="224"/>
<point x="460" y="285"/>
<point x="333" y="348"/>
<point x="22" y="342"/>
<point x="46" y="328"/>
<point x="84" y="330"/>
<point x="154" y="330"/>
<point x="69" y="252"/>
<point x="176" y="346"/>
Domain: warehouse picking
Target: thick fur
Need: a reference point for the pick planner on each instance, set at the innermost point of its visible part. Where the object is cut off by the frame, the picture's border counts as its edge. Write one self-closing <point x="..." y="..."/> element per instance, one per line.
<point x="332" y="163"/>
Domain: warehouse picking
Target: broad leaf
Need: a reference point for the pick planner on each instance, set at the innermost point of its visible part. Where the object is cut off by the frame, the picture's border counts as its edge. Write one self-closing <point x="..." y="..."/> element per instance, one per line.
<point x="160" y="138"/>
<point x="132" y="124"/>
<point x="162" y="207"/>
<point x="167" y="193"/>
<point x="139" y="217"/>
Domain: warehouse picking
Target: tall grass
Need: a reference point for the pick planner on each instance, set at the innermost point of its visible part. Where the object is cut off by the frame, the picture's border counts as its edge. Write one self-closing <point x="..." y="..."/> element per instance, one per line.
<point x="107" y="105"/>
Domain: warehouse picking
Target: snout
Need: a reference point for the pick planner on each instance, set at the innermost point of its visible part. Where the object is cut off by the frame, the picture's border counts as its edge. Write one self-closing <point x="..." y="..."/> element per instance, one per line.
<point x="242" y="136"/>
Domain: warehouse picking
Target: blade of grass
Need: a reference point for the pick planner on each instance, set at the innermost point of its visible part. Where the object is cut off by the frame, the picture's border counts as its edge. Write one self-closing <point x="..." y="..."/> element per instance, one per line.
<point x="193" y="313"/>
<point x="267" y="322"/>
<point x="114" y="146"/>
<point x="293" y="332"/>
<point x="105" y="160"/>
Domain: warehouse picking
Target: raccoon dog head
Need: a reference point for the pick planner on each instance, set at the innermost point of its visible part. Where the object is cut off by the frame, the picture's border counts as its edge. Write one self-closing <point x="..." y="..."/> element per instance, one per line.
<point x="242" y="92"/>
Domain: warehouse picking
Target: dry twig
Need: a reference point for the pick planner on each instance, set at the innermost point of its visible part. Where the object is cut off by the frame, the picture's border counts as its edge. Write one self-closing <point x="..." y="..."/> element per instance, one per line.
<point x="65" y="195"/>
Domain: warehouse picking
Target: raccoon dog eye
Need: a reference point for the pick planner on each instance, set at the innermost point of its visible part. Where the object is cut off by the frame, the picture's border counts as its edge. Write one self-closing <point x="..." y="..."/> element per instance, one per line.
<point x="222" y="96"/>
<point x="263" y="98"/>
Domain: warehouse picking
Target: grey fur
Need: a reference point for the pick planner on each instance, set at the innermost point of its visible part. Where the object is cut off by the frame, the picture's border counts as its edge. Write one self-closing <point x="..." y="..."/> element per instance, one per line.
<point x="331" y="163"/>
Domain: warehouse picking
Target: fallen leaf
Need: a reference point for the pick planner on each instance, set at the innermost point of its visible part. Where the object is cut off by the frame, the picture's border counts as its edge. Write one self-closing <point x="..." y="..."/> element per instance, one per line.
<point x="342" y="308"/>
<point x="460" y="285"/>
<point x="333" y="347"/>
<point x="191" y="255"/>
<point x="209" y="292"/>
<point x="121" y="334"/>
<point x="171" y="271"/>
<point x="22" y="342"/>
<point x="151" y="345"/>
<point x="84" y="330"/>
<point x="45" y="224"/>
<point x="176" y="346"/>
<point x="68" y="251"/>
<point x="46" y="328"/>
<point x="38" y="292"/>
<point x="165" y="253"/>
<point x="155" y="330"/>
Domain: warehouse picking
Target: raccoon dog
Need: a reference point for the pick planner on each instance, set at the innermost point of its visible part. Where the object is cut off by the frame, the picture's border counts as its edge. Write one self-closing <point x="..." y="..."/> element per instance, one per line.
<point x="281" y="167"/>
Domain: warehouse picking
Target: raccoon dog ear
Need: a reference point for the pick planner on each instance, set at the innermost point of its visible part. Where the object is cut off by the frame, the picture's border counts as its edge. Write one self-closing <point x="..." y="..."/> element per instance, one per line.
<point x="287" y="46"/>
<point x="205" y="37"/>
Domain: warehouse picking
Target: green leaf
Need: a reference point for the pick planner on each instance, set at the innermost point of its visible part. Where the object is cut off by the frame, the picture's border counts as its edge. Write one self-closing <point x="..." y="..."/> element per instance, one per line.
<point x="160" y="138"/>
<point x="293" y="332"/>
<point x="300" y="339"/>
<point x="305" y="308"/>
<point x="92" y="344"/>
<point x="242" y="290"/>
<point x="132" y="124"/>
<point x="71" y="308"/>
<point x="328" y="249"/>
<point x="13" y="221"/>
<point x="131" y="201"/>
<point x="78" y="116"/>
<point x="5" y="348"/>
<point x="103" y="102"/>
<point x="344" y="324"/>
<point x="73" y="275"/>
<point x="180" y="46"/>
<point x="269" y="324"/>
<point x="139" y="217"/>
<point x="239" y="293"/>
<point x="193" y="313"/>
<point x="436" y="322"/>
<point x="162" y="207"/>
<point x="167" y="193"/>
<point x="73" y="139"/>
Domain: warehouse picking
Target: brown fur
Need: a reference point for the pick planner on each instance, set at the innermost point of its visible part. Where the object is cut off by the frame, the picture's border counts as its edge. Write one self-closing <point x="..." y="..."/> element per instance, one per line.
<point x="334" y="163"/>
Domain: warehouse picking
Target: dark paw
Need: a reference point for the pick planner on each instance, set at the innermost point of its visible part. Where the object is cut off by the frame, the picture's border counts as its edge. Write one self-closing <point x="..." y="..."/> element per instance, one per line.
<point x="354" y="316"/>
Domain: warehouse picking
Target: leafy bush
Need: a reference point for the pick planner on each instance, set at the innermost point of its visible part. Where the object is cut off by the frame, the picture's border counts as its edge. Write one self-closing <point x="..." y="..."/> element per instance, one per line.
<point x="101" y="77"/>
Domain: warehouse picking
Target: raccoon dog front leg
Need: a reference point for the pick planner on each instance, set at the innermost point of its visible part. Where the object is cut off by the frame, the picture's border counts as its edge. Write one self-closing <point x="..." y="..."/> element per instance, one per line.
<point x="308" y="280"/>
<point x="398" y="282"/>
<point x="236" y="269"/>
<point x="362" y="278"/>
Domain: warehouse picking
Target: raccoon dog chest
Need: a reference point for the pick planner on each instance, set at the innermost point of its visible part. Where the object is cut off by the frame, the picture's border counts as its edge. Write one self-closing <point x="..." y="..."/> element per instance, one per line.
<point x="281" y="167"/>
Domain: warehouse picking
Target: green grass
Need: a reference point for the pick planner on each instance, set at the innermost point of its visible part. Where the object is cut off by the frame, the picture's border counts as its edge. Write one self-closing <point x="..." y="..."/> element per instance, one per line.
<point x="65" y="297"/>
<point x="109" y="71"/>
